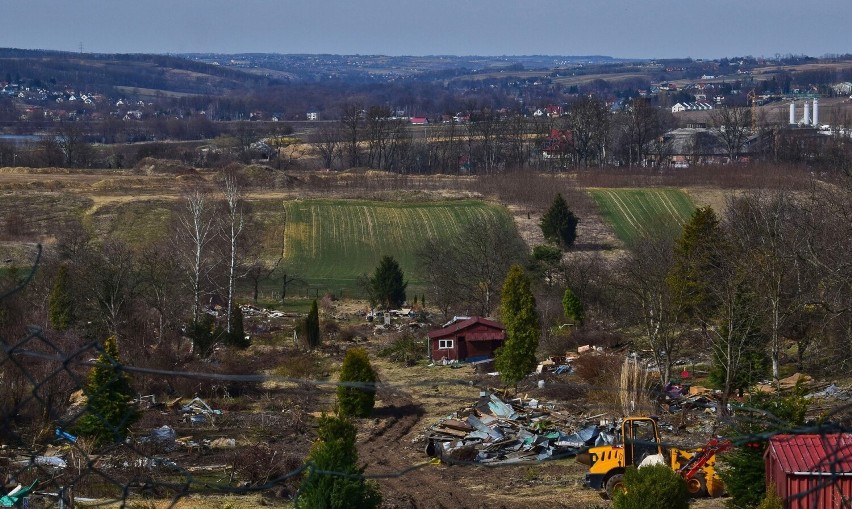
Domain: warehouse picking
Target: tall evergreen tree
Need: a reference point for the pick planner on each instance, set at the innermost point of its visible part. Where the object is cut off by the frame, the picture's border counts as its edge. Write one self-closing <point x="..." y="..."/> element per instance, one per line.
<point x="516" y="358"/>
<point x="109" y="411"/>
<point x="237" y="336"/>
<point x="61" y="304"/>
<point x="388" y="284"/>
<point x="558" y="224"/>
<point x="312" y="327"/>
<point x="334" y="451"/>
<point x="695" y="260"/>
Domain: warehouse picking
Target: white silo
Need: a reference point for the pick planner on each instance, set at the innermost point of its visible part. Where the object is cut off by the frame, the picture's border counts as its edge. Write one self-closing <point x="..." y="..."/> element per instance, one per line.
<point x="792" y="113"/>
<point x="815" y="121"/>
<point x="806" y="119"/>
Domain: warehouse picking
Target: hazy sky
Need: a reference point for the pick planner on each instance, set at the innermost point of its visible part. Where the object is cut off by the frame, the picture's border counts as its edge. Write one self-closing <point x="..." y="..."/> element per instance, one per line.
<point x="619" y="28"/>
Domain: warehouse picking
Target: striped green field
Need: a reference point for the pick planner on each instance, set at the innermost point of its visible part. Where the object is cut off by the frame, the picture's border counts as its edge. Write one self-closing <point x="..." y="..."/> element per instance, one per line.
<point x="632" y="212"/>
<point x="332" y="242"/>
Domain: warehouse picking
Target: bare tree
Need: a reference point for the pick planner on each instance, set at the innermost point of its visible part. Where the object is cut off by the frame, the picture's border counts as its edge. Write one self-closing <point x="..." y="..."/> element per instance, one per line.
<point x="326" y="141"/>
<point x="196" y="225"/>
<point x="467" y="274"/>
<point x="231" y="230"/>
<point x="112" y="281"/>
<point x="650" y="301"/>
<point x="761" y="227"/>
<point x="588" y="119"/>
<point x="351" y="120"/>
<point x="640" y="123"/>
<point x="732" y="126"/>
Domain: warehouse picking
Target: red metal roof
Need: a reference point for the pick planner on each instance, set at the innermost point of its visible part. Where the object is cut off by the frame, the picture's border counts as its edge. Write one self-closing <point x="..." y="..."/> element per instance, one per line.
<point x="813" y="453"/>
<point x="451" y="330"/>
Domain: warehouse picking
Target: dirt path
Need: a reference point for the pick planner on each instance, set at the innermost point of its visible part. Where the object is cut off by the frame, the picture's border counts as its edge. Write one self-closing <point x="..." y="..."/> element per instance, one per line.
<point x="388" y="450"/>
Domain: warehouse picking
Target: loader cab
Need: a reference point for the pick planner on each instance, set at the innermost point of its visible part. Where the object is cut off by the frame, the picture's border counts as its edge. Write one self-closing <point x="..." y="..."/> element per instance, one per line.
<point x="641" y="438"/>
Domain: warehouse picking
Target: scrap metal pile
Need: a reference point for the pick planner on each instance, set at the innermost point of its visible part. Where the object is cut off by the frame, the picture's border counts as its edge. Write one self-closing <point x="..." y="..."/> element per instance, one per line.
<point x="493" y="431"/>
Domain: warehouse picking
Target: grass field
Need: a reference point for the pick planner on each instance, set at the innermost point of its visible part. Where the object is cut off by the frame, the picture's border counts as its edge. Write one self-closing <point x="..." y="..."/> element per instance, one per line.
<point x="331" y="242"/>
<point x="631" y="212"/>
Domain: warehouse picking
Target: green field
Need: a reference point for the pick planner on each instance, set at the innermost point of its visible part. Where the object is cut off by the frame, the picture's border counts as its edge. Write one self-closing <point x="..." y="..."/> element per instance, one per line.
<point x="632" y="212"/>
<point x="331" y="242"/>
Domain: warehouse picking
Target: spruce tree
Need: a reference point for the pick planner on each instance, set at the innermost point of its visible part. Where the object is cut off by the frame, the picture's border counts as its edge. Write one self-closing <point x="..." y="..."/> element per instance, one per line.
<point x="572" y="307"/>
<point x="237" y="336"/>
<point x="61" y="304"/>
<point x="516" y="358"/>
<point x="312" y="327"/>
<point x="359" y="398"/>
<point x="558" y="224"/>
<point x="109" y="411"/>
<point x="387" y="286"/>
<point x="334" y="451"/>
<point x="695" y="257"/>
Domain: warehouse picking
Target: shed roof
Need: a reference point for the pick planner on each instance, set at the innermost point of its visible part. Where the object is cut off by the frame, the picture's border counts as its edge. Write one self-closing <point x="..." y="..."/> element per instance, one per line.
<point x="813" y="453"/>
<point x="464" y="324"/>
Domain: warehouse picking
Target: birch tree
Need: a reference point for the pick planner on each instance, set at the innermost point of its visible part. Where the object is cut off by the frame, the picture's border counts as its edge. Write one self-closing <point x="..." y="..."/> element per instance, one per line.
<point x="197" y="230"/>
<point x="231" y="230"/>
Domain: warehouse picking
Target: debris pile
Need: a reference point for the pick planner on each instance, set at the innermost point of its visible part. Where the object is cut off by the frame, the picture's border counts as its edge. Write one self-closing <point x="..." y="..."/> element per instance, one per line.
<point x="493" y="431"/>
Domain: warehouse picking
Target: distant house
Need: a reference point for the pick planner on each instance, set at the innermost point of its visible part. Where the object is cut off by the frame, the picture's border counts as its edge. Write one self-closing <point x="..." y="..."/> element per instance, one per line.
<point x="811" y="471"/>
<point x="696" y="106"/>
<point x="467" y="339"/>
<point x="312" y="115"/>
<point x="558" y="144"/>
<point x="419" y="120"/>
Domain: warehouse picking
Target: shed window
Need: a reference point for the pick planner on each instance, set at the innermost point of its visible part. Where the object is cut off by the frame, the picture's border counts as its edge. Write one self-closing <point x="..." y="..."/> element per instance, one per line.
<point x="445" y="344"/>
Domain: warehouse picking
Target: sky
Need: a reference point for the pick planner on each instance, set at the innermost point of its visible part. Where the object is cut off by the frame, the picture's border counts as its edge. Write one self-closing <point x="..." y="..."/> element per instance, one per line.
<point x="618" y="28"/>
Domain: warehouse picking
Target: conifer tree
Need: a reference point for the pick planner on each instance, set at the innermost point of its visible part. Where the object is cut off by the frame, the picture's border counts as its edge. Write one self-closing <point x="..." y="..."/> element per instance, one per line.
<point x="61" y="304"/>
<point x="695" y="258"/>
<point x="359" y="398"/>
<point x="109" y="411"/>
<point x="334" y="451"/>
<point x="558" y="224"/>
<point x="516" y="358"/>
<point x="237" y="336"/>
<point x="572" y="307"/>
<point x="312" y="327"/>
<point x="387" y="286"/>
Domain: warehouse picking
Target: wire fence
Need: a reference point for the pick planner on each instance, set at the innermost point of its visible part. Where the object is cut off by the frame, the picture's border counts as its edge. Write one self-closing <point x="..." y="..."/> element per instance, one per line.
<point x="54" y="467"/>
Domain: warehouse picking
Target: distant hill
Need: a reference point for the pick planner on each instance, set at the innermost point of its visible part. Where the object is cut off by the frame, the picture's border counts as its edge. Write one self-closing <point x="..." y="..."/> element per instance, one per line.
<point x="102" y="72"/>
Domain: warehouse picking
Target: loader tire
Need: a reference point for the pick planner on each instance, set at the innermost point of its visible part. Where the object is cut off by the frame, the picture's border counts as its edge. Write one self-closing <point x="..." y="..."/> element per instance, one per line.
<point x="697" y="486"/>
<point x="615" y="484"/>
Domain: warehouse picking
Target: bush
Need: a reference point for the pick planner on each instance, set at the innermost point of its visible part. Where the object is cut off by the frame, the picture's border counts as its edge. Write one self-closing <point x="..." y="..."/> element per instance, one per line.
<point x="772" y="500"/>
<point x="652" y="486"/>
<point x="405" y="350"/>
<point x="356" y="401"/>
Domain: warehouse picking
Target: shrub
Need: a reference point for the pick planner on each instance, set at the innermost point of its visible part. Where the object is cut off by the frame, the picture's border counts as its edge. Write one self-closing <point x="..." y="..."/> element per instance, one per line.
<point x="772" y="500"/>
<point x="405" y="350"/>
<point x="652" y="486"/>
<point x="358" y="400"/>
<point x="334" y="451"/>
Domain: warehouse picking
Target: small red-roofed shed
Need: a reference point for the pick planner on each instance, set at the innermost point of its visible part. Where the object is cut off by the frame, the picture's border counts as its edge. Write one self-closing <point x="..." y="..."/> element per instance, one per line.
<point x="469" y="340"/>
<point x="811" y="471"/>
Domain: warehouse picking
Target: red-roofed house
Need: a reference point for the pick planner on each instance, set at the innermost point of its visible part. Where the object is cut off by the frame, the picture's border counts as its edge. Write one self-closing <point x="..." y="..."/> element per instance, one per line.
<point x="811" y="471"/>
<point x="419" y="120"/>
<point x="469" y="340"/>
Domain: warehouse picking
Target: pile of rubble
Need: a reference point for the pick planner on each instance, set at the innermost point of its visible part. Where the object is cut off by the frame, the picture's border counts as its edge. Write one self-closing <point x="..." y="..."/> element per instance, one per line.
<point x="493" y="431"/>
